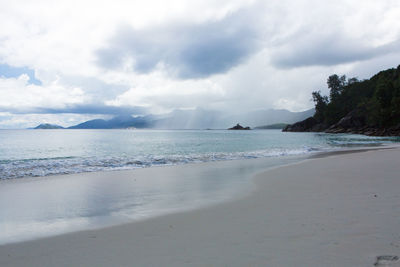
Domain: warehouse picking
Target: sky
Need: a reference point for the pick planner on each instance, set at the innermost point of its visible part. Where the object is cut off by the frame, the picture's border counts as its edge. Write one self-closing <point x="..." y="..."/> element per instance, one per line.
<point x="65" y="62"/>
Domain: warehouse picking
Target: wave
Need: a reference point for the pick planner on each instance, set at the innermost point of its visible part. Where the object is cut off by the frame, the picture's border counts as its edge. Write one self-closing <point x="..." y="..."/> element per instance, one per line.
<point x="37" y="167"/>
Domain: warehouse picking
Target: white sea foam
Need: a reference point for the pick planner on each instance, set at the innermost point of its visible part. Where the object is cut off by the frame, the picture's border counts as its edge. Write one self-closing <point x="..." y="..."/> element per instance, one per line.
<point x="51" y="166"/>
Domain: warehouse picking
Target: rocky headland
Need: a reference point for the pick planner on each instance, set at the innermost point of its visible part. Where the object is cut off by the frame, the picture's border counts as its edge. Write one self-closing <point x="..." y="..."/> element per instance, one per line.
<point x="369" y="107"/>
<point x="352" y="123"/>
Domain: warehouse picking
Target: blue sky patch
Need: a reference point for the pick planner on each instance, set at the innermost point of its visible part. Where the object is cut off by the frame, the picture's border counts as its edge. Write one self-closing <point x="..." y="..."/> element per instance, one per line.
<point x="14" y="72"/>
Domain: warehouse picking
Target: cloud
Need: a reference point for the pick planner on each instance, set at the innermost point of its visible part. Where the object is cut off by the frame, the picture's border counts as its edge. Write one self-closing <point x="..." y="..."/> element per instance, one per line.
<point x="19" y="93"/>
<point x="163" y="95"/>
<point x="227" y="55"/>
<point x="184" y="50"/>
<point x="85" y="109"/>
<point x="328" y="51"/>
<point x="18" y="121"/>
<point x="19" y="96"/>
<point x="95" y="87"/>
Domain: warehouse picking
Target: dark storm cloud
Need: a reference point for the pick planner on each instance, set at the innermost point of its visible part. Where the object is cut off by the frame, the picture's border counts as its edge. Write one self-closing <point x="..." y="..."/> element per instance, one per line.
<point x="187" y="51"/>
<point x="80" y="109"/>
<point x="329" y="51"/>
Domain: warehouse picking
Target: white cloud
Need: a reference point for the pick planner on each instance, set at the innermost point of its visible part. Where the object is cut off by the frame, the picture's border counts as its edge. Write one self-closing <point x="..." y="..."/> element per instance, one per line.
<point x="19" y="94"/>
<point x="161" y="94"/>
<point x="60" y="40"/>
<point x="16" y="121"/>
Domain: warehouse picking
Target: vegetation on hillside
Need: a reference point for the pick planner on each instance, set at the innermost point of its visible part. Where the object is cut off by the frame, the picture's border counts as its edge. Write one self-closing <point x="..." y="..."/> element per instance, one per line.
<point x="376" y="99"/>
<point x="48" y="126"/>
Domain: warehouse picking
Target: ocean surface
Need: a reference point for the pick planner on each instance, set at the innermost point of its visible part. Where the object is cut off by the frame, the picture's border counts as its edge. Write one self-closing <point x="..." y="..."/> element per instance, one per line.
<point x="33" y="153"/>
<point x="37" y="201"/>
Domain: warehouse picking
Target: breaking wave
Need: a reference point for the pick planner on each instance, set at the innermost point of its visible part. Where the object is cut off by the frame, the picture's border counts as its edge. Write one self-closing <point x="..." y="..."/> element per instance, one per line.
<point x="69" y="165"/>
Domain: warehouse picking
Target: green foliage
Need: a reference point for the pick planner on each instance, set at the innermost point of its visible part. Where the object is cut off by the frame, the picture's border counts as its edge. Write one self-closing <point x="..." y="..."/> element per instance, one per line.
<point x="378" y="98"/>
<point x="336" y="85"/>
<point x="321" y="103"/>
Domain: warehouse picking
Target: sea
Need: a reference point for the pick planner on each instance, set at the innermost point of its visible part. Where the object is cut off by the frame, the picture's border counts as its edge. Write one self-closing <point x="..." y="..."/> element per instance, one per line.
<point x="132" y="174"/>
<point x="34" y="153"/>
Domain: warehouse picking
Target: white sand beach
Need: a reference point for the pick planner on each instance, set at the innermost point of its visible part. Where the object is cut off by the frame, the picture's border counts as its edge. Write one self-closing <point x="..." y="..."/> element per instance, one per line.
<point x="339" y="210"/>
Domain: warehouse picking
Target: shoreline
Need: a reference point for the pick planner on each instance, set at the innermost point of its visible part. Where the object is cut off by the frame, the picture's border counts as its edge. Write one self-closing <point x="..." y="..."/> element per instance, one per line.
<point x="304" y="156"/>
<point x="283" y="222"/>
<point x="258" y="165"/>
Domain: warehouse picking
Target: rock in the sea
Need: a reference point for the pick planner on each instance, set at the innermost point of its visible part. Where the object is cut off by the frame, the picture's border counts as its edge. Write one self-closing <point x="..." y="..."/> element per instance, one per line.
<point x="386" y="260"/>
<point x="239" y="127"/>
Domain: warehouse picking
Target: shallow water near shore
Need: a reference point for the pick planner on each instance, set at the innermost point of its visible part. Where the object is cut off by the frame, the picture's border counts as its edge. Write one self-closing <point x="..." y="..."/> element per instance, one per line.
<point x="52" y="205"/>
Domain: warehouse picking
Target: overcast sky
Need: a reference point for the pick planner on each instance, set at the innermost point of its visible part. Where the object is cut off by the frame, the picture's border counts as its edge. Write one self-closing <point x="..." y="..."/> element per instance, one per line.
<point x="65" y="62"/>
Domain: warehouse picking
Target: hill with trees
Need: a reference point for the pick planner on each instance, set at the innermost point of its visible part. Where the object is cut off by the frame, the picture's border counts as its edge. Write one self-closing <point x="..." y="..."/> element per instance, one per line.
<point x="370" y="107"/>
<point x="118" y="122"/>
<point x="48" y="126"/>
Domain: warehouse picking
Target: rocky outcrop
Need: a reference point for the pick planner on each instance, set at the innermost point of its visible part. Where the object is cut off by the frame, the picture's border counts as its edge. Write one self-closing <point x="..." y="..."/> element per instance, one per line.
<point x="239" y="127"/>
<point x="308" y="125"/>
<point x="354" y="122"/>
<point x="367" y="130"/>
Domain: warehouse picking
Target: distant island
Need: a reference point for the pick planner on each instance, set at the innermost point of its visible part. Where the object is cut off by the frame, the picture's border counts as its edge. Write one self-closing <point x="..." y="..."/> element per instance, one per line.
<point x="193" y="119"/>
<point x="276" y="126"/>
<point x="370" y="107"/>
<point x="118" y="122"/>
<point x="48" y="126"/>
<point x="239" y="127"/>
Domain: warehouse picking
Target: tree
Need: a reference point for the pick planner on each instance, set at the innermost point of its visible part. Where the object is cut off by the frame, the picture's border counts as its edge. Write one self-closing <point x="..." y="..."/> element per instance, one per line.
<point x="321" y="102"/>
<point x="336" y="85"/>
<point x="352" y="80"/>
<point x="383" y="93"/>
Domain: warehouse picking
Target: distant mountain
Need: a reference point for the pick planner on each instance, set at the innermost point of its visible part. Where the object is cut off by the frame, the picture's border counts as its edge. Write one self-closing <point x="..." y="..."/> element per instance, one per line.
<point x="119" y="122"/>
<point x="48" y="126"/>
<point x="92" y="124"/>
<point x="203" y="119"/>
<point x="278" y="126"/>
<point x="192" y="119"/>
<point x="270" y="116"/>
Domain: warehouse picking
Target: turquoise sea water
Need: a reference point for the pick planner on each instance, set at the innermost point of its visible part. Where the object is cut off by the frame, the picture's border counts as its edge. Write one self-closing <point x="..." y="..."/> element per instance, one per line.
<point x="30" y="153"/>
<point x="34" y="204"/>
